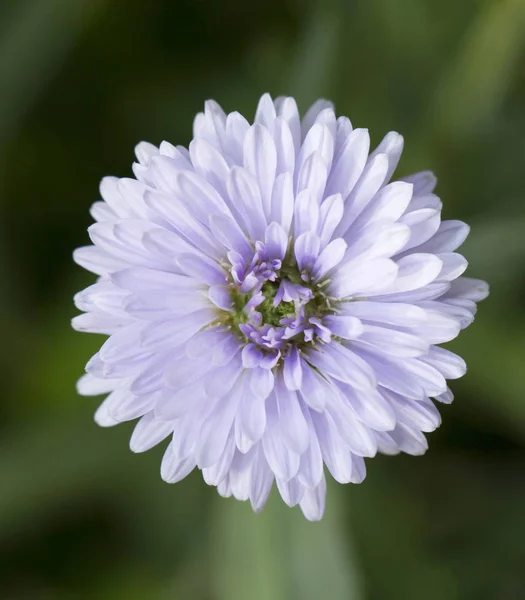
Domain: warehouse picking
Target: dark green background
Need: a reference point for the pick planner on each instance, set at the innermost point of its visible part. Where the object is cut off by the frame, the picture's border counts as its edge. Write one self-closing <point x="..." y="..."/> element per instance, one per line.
<point x="81" y="81"/>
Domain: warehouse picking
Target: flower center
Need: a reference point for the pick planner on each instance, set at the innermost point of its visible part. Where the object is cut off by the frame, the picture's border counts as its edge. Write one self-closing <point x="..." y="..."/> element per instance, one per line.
<point x="272" y="314"/>
<point x="274" y="306"/>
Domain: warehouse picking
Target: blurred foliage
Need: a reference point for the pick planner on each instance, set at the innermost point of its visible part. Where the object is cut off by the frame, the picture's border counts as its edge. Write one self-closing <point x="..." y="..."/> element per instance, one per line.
<point x="82" y="81"/>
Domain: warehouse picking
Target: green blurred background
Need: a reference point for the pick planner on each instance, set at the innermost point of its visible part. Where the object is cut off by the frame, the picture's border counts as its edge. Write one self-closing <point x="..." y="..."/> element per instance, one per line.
<point x="81" y="81"/>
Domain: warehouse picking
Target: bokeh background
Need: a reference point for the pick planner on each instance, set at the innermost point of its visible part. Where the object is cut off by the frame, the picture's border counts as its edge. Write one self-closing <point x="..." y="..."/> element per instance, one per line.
<point x="81" y="81"/>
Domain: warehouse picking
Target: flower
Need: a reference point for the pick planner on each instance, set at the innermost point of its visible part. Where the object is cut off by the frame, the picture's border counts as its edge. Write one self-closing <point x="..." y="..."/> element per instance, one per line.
<point x="273" y="302"/>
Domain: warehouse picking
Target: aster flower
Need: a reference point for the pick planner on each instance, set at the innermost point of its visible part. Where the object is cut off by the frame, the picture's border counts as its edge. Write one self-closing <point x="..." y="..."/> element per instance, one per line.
<point x="274" y="303"/>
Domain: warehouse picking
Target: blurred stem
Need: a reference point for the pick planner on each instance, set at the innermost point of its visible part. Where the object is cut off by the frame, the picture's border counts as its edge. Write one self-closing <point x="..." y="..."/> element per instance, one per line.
<point x="477" y="82"/>
<point x="279" y="555"/>
<point x="310" y="73"/>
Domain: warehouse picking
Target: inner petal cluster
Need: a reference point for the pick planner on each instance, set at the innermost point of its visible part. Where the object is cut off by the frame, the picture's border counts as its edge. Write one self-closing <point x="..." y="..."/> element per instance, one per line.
<point x="273" y="305"/>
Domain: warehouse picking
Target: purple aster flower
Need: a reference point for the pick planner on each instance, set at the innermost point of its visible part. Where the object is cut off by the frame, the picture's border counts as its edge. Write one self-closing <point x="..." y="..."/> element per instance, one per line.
<point x="274" y="303"/>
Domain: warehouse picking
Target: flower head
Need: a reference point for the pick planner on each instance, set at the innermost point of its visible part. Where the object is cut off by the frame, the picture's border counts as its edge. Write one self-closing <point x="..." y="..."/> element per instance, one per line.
<point x="274" y="302"/>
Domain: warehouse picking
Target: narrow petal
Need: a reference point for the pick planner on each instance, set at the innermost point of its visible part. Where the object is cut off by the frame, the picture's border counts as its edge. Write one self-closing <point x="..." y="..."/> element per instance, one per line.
<point x="275" y="241"/>
<point x="424" y="182"/>
<point x="148" y="432"/>
<point x="283" y="201"/>
<point x="293" y="372"/>
<point x="173" y="470"/>
<point x="291" y="491"/>
<point x="330" y="214"/>
<point x="217" y="427"/>
<point x="260" y="158"/>
<point x="349" y="163"/>
<point x="363" y="278"/>
<point x="392" y="146"/>
<point x="329" y="258"/>
<point x="230" y="235"/>
<point x="307" y="247"/>
<point x="292" y="424"/>
<point x="306" y="213"/>
<point x="347" y="327"/>
<point x="284" y="146"/>
<point x="202" y="269"/>
<point x="449" y="237"/>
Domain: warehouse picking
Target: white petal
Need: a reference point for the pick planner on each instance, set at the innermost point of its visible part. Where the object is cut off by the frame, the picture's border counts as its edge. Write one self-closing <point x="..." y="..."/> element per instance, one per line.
<point x="370" y="408"/>
<point x="88" y="385"/>
<point x="291" y="491"/>
<point x="379" y="240"/>
<point x="362" y="278"/>
<point x="148" y="432"/>
<point x="394" y="342"/>
<point x="311" y="467"/>
<point x="102" y="418"/>
<point x="422" y="415"/>
<point x="424" y="182"/>
<point x="367" y="186"/>
<point x="319" y="139"/>
<point x="349" y="163"/>
<point x="343" y="130"/>
<point x="283" y="461"/>
<point x="153" y="306"/>
<point x="423" y="225"/>
<point x="287" y="109"/>
<point x="262" y="481"/>
<point x="260" y="158"/>
<point x="306" y="213"/>
<point x="292" y="371"/>
<point x="229" y="234"/>
<point x="217" y="426"/>
<point x="415" y="271"/>
<point x="202" y="269"/>
<point x="174" y="332"/>
<point x="314" y="389"/>
<point x="387" y="205"/>
<point x="284" y="146"/>
<point x="236" y="128"/>
<point x="343" y="365"/>
<point x="218" y="471"/>
<point x="398" y="314"/>
<point x="449" y="364"/>
<point x="449" y="236"/>
<point x="440" y="327"/>
<point x="250" y="422"/>
<point x="243" y="188"/>
<point x="283" y="201"/>
<point x="97" y="260"/>
<point x="329" y="258"/>
<point x="275" y="241"/>
<point x="468" y="289"/>
<point x="292" y="424"/>
<point x="454" y="265"/>
<point x="311" y="114"/>
<point x="392" y="146"/>
<point x="330" y="214"/>
<point x="344" y="326"/>
<point x="174" y="469"/>
<point x="265" y="113"/>
<point x="312" y="176"/>
<point x="210" y="164"/>
<point x="139" y="279"/>
<point x="410" y="440"/>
